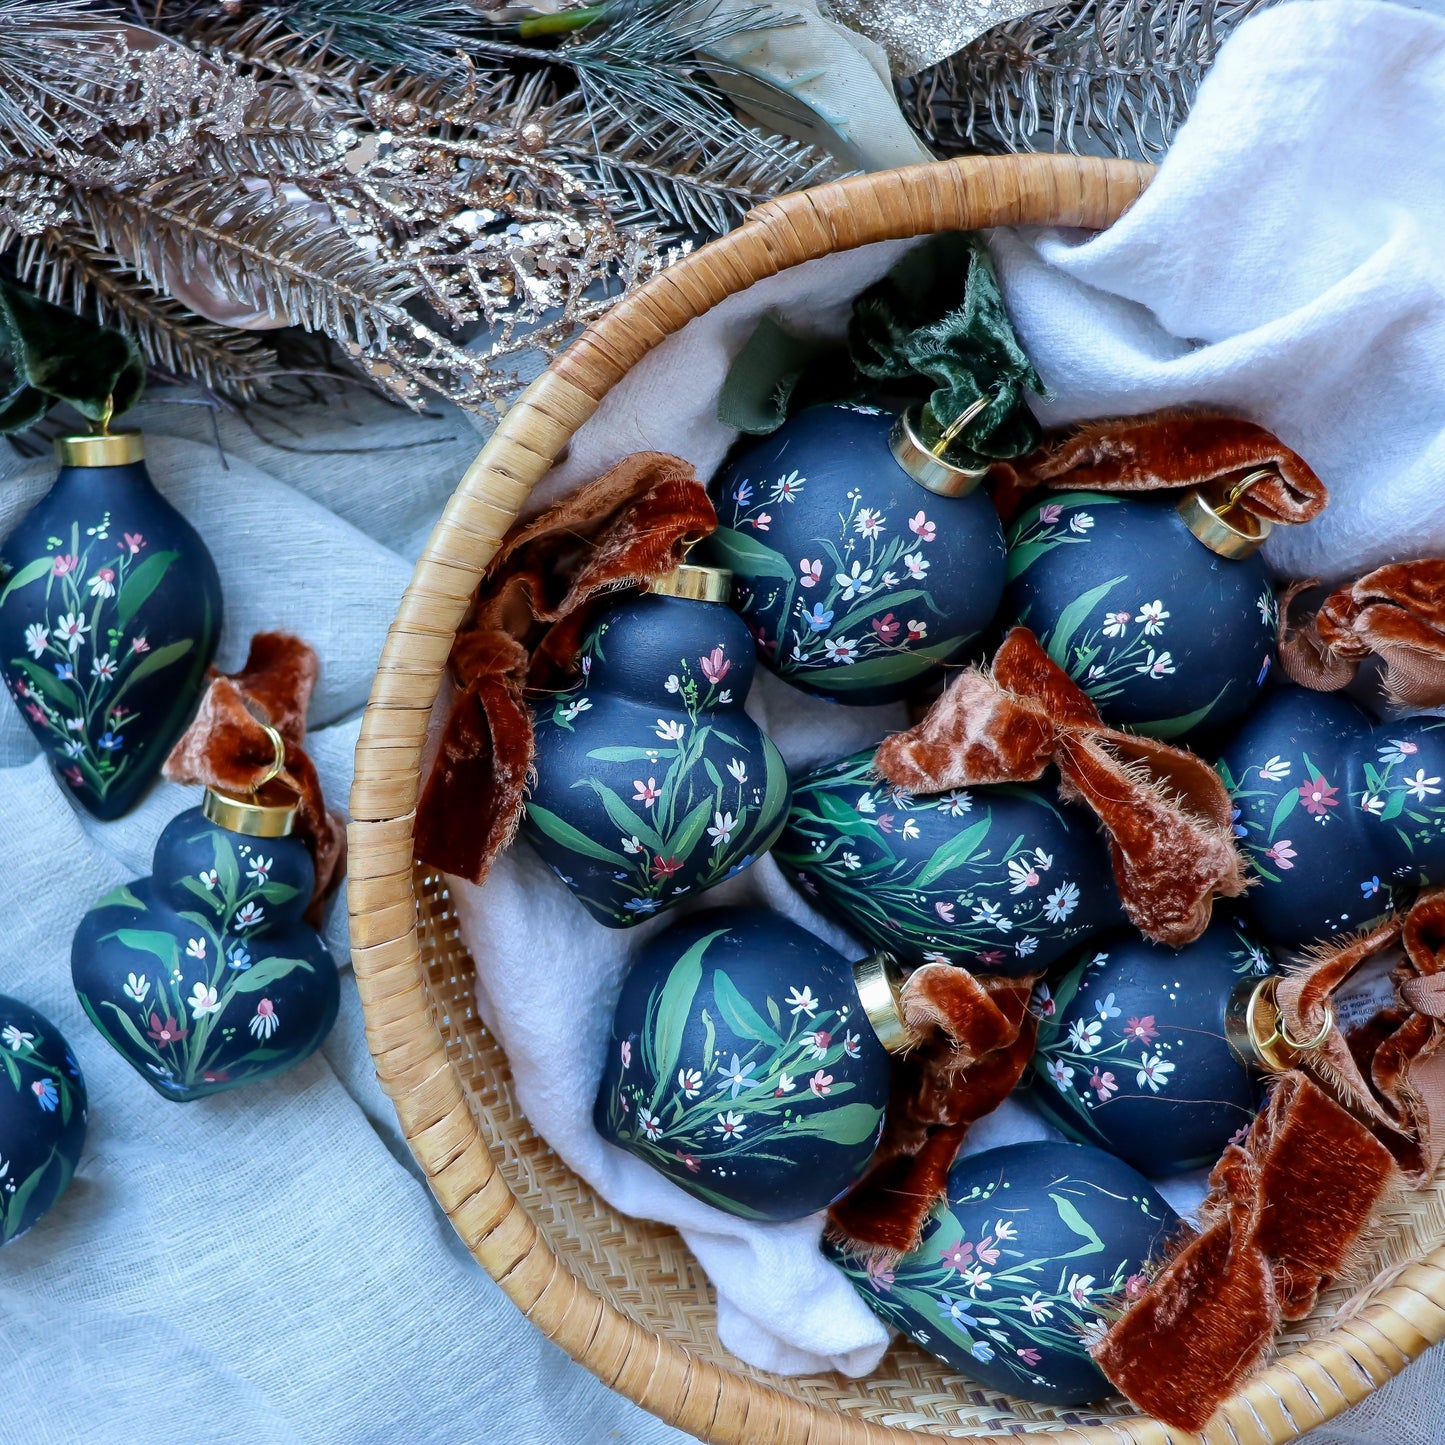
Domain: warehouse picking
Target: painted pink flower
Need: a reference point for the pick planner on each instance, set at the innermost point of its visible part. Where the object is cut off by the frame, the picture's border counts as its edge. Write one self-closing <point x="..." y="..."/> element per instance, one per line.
<point x="36" y="714"/>
<point x="959" y="1256"/>
<point x="1134" y="1286"/>
<point x="1104" y="1085"/>
<point x="1317" y="796"/>
<point x="992" y="957"/>
<point x="64" y="564"/>
<point x="1281" y="854"/>
<point x="1029" y="1355"/>
<point x="762" y="521"/>
<point x="810" y="573"/>
<point x="715" y="666"/>
<point x="689" y="1161"/>
<point x="1050" y="514"/>
<point x="133" y="543"/>
<point x="74" y="777"/>
<point x="625" y="1051"/>
<point x="880" y="1277"/>
<point x="1141" y="1030"/>
<point x="944" y="911"/>
<point x="921" y="527"/>
<point x="884" y="822"/>
<point x="821" y="1084"/>
<point x="887" y="627"/>
<point x="167" y="1032"/>
<point x="647" y="793"/>
<point x="986" y="1253"/>
<point x="139" y="644"/>
<point x="664" y="867"/>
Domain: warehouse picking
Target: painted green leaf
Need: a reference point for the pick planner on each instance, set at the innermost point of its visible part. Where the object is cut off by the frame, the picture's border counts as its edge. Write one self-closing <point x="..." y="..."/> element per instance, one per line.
<point x="152" y="662"/>
<point x="206" y="895"/>
<point x="748" y="556"/>
<point x="44" y="679"/>
<point x="145" y="1045"/>
<point x="1077" y="1224"/>
<point x="1394" y="806"/>
<point x="1075" y="614"/>
<point x="877" y="670"/>
<point x="1173" y="727"/>
<point x="264" y="972"/>
<point x="144" y="580"/>
<point x="120" y="897"/>
<point x="564" y="833"/>
<point x="625" y="819"/>
<point x="19" y="1201"/>
<point x="953" y="853"/>
<point x="682" y="842"/>
<point x="278" y="892"/>
<point x="851" y="1124"/>
<point x="148" y="940"/>
<point x="1282" y="810"/>
<point x="674" y="1008"/>
<point x="885" y="602"/>
<point x="739" y="1015"/>
<point x="621" y="755"/>
<point x="224" y="858"/>
<point x="30" y="572"/>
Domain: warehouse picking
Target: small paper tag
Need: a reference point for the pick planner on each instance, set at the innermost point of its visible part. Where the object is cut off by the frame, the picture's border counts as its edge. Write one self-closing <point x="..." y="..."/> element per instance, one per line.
<point x="1367" y="992"/>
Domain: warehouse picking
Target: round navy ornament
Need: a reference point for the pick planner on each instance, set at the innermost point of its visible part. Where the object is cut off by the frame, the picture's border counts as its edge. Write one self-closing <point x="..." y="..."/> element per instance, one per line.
<point x="652" y="783"/>
<point x="1020" y="1265"/>
<point x="748" y="1063"/>
<point x="1342" y="819"/>
<point x="1003" y="880"/>
<point x="205" y="975"/>
<point x="863" y="562"/>
<point x="1134" y="1051"/>
<point x="42" y="1117"/>
<point x="1159" y="609"/>
<point x="109" y="617"/>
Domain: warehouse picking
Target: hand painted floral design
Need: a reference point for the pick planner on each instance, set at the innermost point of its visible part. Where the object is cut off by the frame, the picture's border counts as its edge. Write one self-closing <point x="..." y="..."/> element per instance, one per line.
<point x="1001" y="879"/>
<point x="82" y="661"/>
<point x="208" y="978"/>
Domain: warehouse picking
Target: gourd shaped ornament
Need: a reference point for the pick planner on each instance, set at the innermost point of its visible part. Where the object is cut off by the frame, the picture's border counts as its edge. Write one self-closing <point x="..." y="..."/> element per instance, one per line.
<point x="42" y="1116"/>
<point x="864" y="562"/>
<point x="748" y="1063"/>
<point x="109" y="616"/>
<point x="205" y="976"/>
<point x="1000" y="879"/>
<point x="1342" y="819"/>
<point x="1021" y="1265"/>
<point x="1158" y="608"/>
<point x="651" y="782"/>
<point x="1137" y="1051"/>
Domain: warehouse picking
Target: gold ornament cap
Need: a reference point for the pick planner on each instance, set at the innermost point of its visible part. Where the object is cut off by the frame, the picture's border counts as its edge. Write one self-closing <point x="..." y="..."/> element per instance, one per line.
<point x="1255" y="1029"/>
<point x="267" y="811"/>
<point x="876" y="979"/>
<point x="1217" y="519"/>
<point x="926" y="465"/>
<point x="106" y="449"/>
<point x="694" y="583"/>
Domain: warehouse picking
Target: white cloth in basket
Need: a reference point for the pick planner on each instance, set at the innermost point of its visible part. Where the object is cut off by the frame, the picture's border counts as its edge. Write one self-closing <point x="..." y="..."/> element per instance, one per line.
<point x="1288" y="262"/>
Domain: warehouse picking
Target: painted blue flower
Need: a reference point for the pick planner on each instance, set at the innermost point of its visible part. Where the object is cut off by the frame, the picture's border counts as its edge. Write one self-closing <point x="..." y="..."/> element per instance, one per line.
<point x="239" y="959"/>
<point x="46" y="1094"/>
<point x="1234" y="823"/>
<point x="110" y="741"/>
<point x="1263" y="670"/>
<point x="982" y="1350"/>
<point x="65" y="672"/>
<point x="641" y="905"/>
<point x="1370" y="886"/>
<point x="957" y="1311"/>
<point x="820" y="619"/>
<point x="744" y="494"/>
<point x="740" y="865"/>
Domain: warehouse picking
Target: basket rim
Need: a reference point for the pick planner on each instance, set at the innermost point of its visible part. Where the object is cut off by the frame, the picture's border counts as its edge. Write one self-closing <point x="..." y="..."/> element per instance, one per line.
<point x="1296" y="1392"/>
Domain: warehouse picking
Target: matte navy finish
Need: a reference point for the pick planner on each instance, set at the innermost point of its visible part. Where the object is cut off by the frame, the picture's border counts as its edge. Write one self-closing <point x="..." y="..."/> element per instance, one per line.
<point x="652" y="783"/>
<point x="42" y="1116"/>
<point x="205" y="976"/>
<point x="1166" y="637"/>
<point x="108" y="621"/>
<point x="1343" y="820"/>
<point x="1132" y="1053"/>
<point x="742" y="1066"/>
<point x="1021" y="1265"/>
<point x="856" y="582"/>
<point x="1002" y="880"/>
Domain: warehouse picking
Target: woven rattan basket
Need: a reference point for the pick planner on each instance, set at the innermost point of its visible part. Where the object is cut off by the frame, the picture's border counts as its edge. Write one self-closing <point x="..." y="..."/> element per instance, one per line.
<point x="625" y="1298"/>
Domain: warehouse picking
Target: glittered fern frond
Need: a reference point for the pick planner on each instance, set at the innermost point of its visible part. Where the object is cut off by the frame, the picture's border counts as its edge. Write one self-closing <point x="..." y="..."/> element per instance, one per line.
<point x="1103" y="76"/>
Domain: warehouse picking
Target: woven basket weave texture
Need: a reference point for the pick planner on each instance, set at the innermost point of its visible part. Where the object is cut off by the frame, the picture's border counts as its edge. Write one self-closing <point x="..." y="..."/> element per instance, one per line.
<point x="624" y="1297"/>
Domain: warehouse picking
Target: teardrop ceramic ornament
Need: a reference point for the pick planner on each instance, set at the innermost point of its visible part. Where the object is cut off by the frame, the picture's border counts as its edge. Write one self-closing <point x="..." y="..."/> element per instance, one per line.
<point x="652" y="784"/>
<point x="1166" y="634"/>
<point x="1342" y="819"/>
<point x="1019" y="1267"/>
<point x="109" y="617"/>
<point x="1134" y="1053"/>
<point x="42" y="1117"/>
<point x="748" y="1063"/>
<point x="857" y="581"/>
<point x="1002" y="880"/>
<point x="205" y="975"/>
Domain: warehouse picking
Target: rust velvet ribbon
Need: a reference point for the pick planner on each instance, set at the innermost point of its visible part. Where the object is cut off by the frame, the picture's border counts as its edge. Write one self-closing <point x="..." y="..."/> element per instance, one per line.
<point x="529" y="618"/>
<point x="226" y="746"/>
<point x="1395" y="613"/>
<point x="1166" y="812"/>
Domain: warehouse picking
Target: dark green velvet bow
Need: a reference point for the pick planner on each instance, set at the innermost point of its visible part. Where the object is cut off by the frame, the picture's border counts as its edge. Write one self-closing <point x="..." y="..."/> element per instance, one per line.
<point x="54" y="355"/>
<point x="934" y="329"/>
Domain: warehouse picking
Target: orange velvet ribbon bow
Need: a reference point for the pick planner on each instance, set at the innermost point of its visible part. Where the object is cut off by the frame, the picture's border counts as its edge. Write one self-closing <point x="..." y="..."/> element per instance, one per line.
<point x="1166" y="811"/>
<point x="227" y="747"/>
<point x="1395" y="613"/>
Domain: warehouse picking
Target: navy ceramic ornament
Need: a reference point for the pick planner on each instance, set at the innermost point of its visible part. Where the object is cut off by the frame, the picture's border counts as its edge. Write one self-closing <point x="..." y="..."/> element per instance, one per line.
<point x="1158" y="609"/>
<point x="205" y="976"/>
<point x="748" y="1063"/>
<point x="652" y="783"/>
<point x="1020" y="1265"/>
<point x="109" y="618"/>
<point x="1134" y="1051"/>
<point x="858" y="579"/>
<point x="42" y="1116"/>
<point x="1342" y="819"/>
<point x="999" y="880"/>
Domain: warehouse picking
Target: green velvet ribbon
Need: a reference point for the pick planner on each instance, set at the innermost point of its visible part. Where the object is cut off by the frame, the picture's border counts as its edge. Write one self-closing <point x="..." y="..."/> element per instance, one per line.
<point x="934" y="329"/>
<point x="54" y="355"/>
